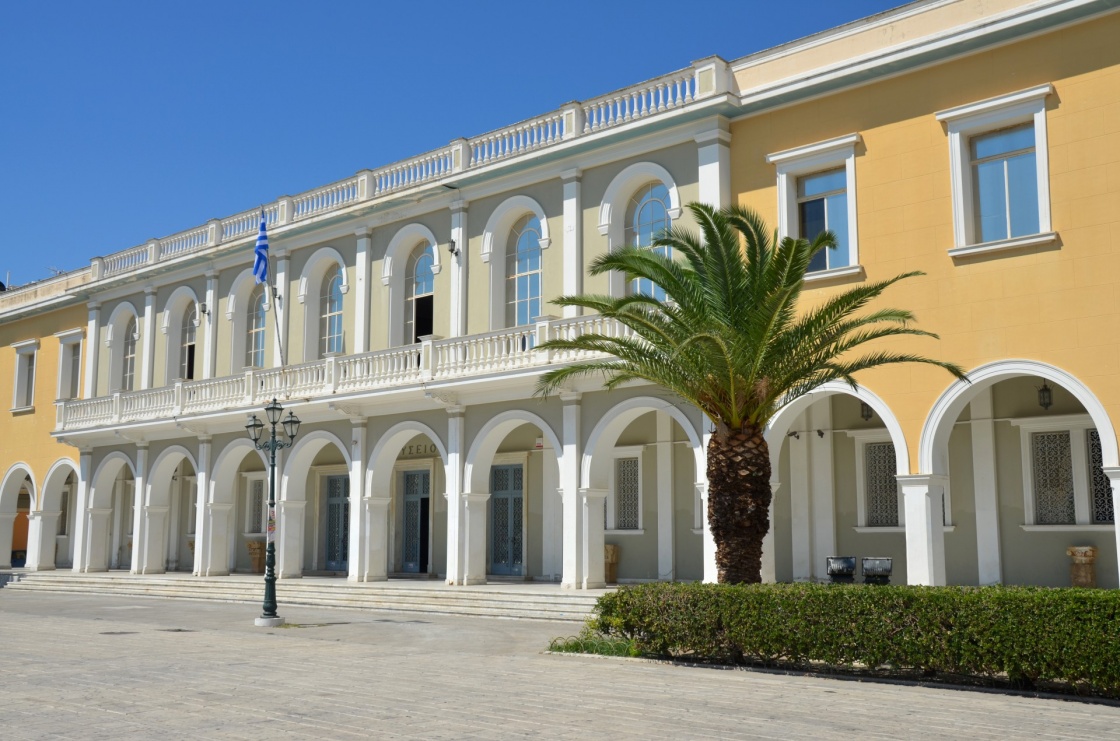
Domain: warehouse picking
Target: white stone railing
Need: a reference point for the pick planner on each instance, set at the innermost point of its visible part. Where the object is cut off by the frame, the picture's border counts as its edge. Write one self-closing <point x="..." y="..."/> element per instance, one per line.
<point x="664" y="94"/>
<point x="432" y="360"/>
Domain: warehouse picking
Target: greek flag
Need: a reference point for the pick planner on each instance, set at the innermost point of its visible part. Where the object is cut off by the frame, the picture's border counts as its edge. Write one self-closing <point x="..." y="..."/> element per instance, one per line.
<point x="260" y="252"/>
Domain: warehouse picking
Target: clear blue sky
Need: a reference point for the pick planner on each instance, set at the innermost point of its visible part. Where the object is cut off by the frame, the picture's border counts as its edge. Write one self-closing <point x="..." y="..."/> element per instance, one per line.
<point x="122" y="121"/>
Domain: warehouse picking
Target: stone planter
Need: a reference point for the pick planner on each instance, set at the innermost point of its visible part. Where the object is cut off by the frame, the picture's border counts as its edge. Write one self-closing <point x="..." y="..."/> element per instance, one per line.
<point x="256" y="556"/>
<point x="1083" y="570"/>
<point x="610" y="563"/>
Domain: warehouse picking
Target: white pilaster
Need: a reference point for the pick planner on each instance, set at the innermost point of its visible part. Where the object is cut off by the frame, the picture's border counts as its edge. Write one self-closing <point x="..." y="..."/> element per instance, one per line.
<point x="201" y="496"/>
<point x="375" y="523"/>
<point x="552" y="516"/>
<point x="573" y="239"/>
<point x="280" y="306"/>
<point x="714" y="153"/>
<point x="215" y="545"/>
<point x="1114" y="480"/>
<point x="592" y="506"/>
<point x="6" y="521"/>
<point x="474" y="532"/>
<point x="769" y="555"/>
<point x="148" y="340"/>
<point x="665" y="504"/>
<point x="210" y="326"/>
<point x="923" y="498"/>
<point x="90" y="348"/>
<point x="356" y="549"/>
<point x="41" y="529"/>
<point x="97" y="525"/>
<point x="139" y="521"/>
<point x="81" y="504"/>
<point x="800" y="503"/>
<point x="289" y="546"/>
<point x="571" y="528"/>
<point x="362" y="293"/>
<point x="711" y="570"/>
<point x="148" y="554"/>
<point x="990" y="570"/>
<point x="453" y="476"/>
<point x="459" y="270"/>
<point x="821" y="488"/>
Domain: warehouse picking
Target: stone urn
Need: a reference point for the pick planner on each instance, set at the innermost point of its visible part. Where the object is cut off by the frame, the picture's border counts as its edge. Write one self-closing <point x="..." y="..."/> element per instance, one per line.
<point x="1083" y="570"/>
<point x="256" y="556"/>
<point x="610" y="563"/>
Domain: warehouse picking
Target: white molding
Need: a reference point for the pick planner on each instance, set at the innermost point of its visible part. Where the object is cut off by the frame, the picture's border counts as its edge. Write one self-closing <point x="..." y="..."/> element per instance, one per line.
<point x="494" y="248"/>
<point x="639" y="531"/>
<point x="1094" y="528"/>
<point x="71" y="336"/>
<point x="1074" y="425"/>
<point x="312" y="268"/>
<point x="793" y="163"/>
<point x="404" y="242"/>
<point x="625" y="451"/>
<point x="25" y="346"/>
<point x="247" y="477"/>
<point x="964" y="122"/>
<point x="1056" y="422"/>
<point x="868" y="530"/>
<point x="1004" y="245"/>
<point x="835" y="274"/>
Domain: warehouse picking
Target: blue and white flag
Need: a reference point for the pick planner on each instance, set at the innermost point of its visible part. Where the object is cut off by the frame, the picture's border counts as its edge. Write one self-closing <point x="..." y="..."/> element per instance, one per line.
<point x="260" y="258"/>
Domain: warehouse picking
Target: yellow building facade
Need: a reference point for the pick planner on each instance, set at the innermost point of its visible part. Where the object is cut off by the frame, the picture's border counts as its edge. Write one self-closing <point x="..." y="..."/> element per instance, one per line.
<point x="970" y="140"/>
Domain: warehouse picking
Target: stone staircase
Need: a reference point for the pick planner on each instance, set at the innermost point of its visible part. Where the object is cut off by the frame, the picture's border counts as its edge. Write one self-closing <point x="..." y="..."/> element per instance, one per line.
<point x="523" y="600"/>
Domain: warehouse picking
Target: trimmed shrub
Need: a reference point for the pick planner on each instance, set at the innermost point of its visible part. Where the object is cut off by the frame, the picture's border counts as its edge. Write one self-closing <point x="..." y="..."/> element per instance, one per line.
<point x="1018" y="634"/>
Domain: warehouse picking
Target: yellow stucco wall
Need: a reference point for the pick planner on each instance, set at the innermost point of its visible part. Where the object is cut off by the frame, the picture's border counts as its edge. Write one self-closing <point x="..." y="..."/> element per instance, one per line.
<point x="25" y="437"/>
<point x="1056" y="304"/>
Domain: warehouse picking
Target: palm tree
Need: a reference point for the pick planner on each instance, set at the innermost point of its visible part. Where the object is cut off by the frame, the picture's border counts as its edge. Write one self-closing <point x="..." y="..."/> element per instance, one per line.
<point x="730" y="340"/>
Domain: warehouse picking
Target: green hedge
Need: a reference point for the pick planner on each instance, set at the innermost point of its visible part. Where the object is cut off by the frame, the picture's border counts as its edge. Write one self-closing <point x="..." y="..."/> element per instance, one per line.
<point x="1018" y="634"/>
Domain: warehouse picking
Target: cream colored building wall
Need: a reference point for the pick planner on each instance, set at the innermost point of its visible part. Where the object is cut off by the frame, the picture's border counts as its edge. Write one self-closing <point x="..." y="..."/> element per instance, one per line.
<point x="1057" y="305"/>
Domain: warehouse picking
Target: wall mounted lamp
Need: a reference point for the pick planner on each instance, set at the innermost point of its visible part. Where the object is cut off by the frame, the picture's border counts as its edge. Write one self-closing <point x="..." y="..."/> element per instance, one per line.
<point x="1045" y="396"/>
<point x="452" y="248"/>
<point x="865" y="411"/>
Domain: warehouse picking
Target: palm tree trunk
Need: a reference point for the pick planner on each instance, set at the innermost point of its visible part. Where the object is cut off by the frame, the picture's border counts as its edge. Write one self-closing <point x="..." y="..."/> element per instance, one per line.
<point x="739" y="502"/>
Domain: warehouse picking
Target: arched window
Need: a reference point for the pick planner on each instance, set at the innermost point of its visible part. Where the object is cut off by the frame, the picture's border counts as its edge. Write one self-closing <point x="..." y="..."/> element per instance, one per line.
<point x="419" y="284"/>
<point x="647" y="216"/>
<point x="189" y="333"/>
<point x="128" y="356"/>
<point x="523" y="268"/>
<point x="330" y="313"/>
<point x="254" y="328"/>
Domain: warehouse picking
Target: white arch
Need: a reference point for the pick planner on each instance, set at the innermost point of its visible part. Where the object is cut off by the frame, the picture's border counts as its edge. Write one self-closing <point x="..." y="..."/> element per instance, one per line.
<point x="389" y="446"/>
<point x="239" y="294"/>
<point x="612" y="211"/>
<point x="476" y="473"/>
<point x="114" y="340"/>
<point x="779" y="425"/>
<point x="494" y="239"/>
<point x="9" y="488"/>
<point x="293" y="498"/>
<point x="242" y="286"/>
<point x="180" y="298"/>
<point x="394" y="270"/>
<point x="401" y="246"/>
<point x="934" y="444"/>
<point x="103" y="478"/>
<point x="222" y="479"/>
<point x="171" y="326"/>
<point x="593" y="468"/>
<point x="315" y="267"/>
<point x="55" y="479"/>
<point x="119" y="317"/>
<point x="299" y="460"/>
<point x="164" y="468"/>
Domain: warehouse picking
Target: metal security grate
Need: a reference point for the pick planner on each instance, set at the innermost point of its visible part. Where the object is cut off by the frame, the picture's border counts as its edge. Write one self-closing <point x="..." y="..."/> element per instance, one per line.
<point x="881" y="485"/>
<point x="1053" y="478"/>
<point x="256" y="506"/>
<point x="1102" y="489"/>
<point x="626" y="495"/>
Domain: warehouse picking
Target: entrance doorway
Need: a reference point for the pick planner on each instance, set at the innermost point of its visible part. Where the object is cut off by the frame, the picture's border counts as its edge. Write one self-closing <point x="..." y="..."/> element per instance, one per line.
<point x="417" y="498"/>
<point x="338" y="523"/>
<point x="507" y="513"/>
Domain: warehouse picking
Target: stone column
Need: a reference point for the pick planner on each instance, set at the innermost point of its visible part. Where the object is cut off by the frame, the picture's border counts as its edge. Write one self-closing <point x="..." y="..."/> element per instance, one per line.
<point x="714" y="153"/>
<point x="216" y="557"/>
<point x="769" y="555"/>
<point x="362" y="291"/>
<point x="150" y="551"/>
<point x="474" y="529"/>
<point x="572" y="527"/>
<point x="453" y="476"/>
<point x="573" y="239"/>
<point x="459" y="268"/>
<point x="923" y="497"/>
<point x="139" y="521"/>
<point x="41" y="529"/>
<point x="1083" y="570"/>
<point x="281" y="347"/>
<point x="711" y="570"/>
<point x="665" y="506"/>
<point x="210" y="349"/>
<point x="91" y="348"/>
<point x="552" y="515"/>
<point x="800" y="497"/>
<point x="375" y="523"/>
<point x="985" y="487"/>
<point x="97" y="526"/>
<point x="289" y="546"/>
<point x="1113" y="474"/>
<point x="148" y="339"/>
<point x="823" y="507"/>
<point x="593" y="508"/>
<point x="80" y="504"/>
<point x="356" y="549"/>
<point x="201" y="497"/>
<point x="6" y="521"/>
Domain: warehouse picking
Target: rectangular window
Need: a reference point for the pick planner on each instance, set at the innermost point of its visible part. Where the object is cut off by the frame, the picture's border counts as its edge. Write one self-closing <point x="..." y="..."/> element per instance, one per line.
<point x="1101" y="489"/>
<point x="255" y="508"/>
<point x="881" y="485"/>
<point x="75" y="351"/>
<point x="1005" y="183"/>
<point x="627" y="496"/>
<point x="23" y="392"/>
<point x="822" y="203"/>
<point x="29" y="384"/>
<point x="1052" y="467"/>
<point x="64" y="512"/>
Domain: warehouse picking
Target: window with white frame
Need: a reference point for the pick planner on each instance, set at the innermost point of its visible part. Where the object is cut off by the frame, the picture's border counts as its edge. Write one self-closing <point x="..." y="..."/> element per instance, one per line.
<point x="330" y="313"/>
<point x="647" y="215"/>
<point x="880" y="485"/>
<point x="624" y="497"/>
<point x="128" y="355"/>
<point x="523" y="271"/>
<point x="69" y="363"/>
<point x="817" y="191"/>
<point x="420" y="288"/>
<point x="999" y="171"/>
<point x="190" y="490"/>
<point x="23" y="393"/>
<point x="256" y="319"/>
<point x="256" y="503"/>
<point x="1063" y="482"/>
<point x="64" y="507"/>
<point x="188" y="336"/>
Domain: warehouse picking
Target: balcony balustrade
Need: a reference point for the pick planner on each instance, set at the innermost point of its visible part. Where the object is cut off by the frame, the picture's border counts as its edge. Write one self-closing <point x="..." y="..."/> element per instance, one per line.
<point x="441" y="360"/>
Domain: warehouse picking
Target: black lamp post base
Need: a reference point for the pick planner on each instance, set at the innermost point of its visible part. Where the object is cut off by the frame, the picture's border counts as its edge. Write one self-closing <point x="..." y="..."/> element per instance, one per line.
<point x="268" y="622"/>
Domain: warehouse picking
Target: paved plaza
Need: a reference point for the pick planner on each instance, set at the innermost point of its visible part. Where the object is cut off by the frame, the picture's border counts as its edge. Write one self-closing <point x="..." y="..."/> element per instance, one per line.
<point x="110" y="667"/>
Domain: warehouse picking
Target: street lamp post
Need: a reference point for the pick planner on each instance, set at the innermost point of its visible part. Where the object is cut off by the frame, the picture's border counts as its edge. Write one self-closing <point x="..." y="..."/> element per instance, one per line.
<point x="255" y="428"/>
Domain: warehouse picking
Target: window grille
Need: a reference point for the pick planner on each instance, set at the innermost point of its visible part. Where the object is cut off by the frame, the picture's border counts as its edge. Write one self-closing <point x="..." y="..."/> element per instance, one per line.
<point x="627" y="494"/>
<point x="882" y="487"/>
<point x="1053" y="478"/>
<point x="1101" y="487"/>
<point x="256" y="506"/>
